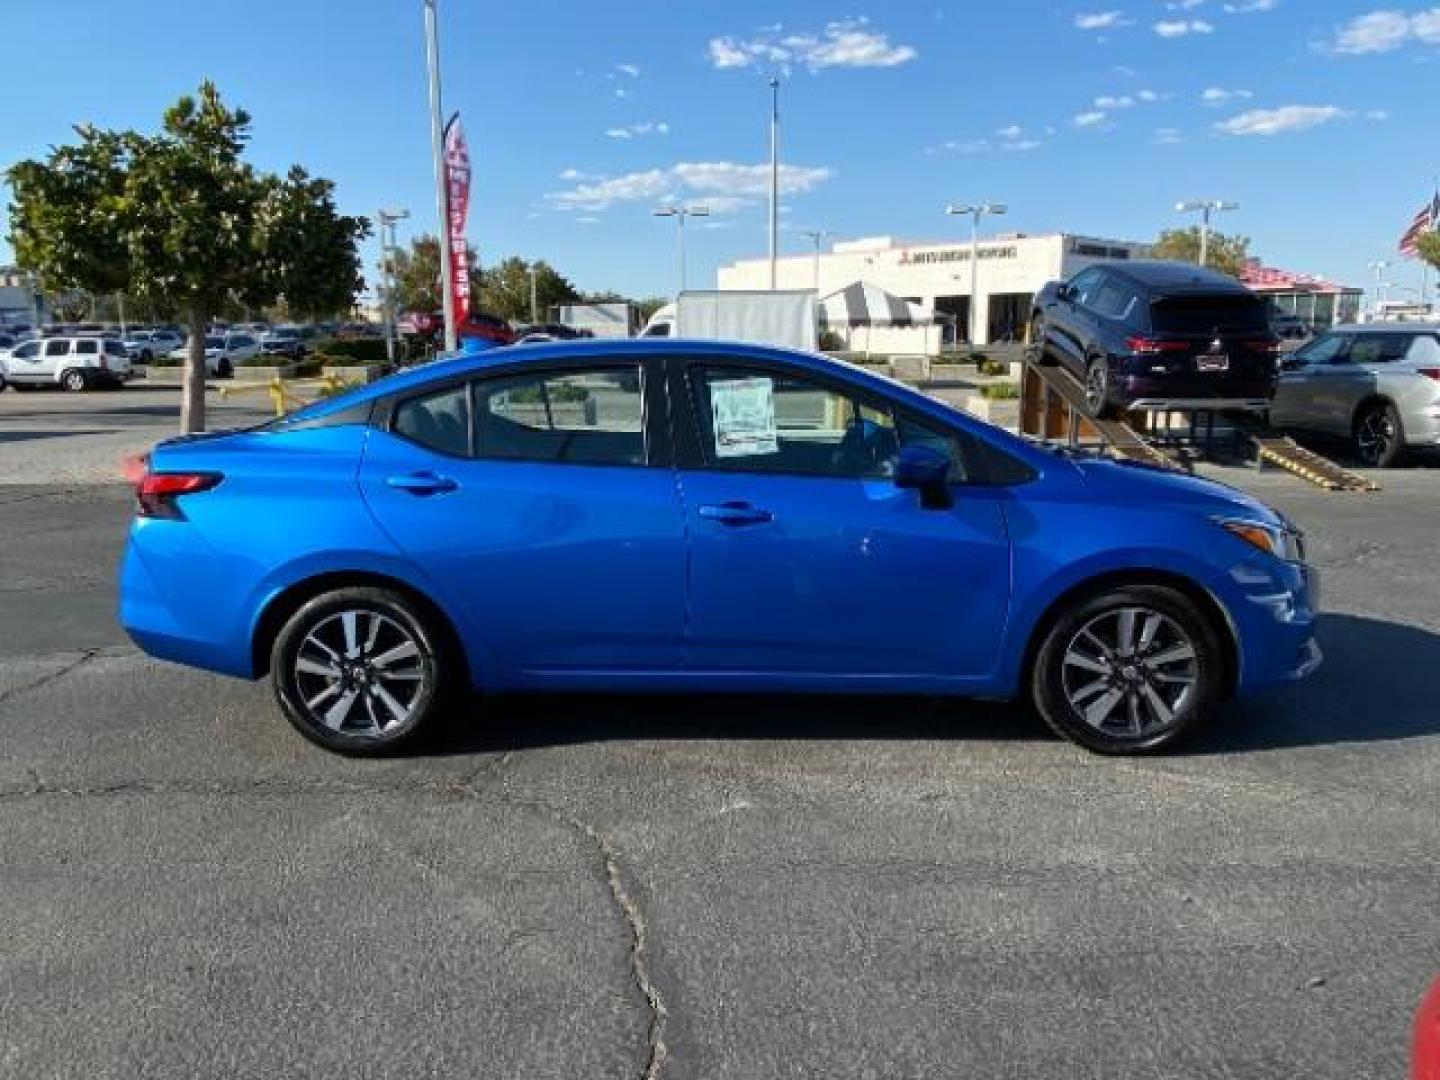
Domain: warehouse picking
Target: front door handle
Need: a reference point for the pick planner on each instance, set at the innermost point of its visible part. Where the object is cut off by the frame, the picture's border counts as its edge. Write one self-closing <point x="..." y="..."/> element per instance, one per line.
<point x="736" y="513"/>
<point x="422" y="483"/>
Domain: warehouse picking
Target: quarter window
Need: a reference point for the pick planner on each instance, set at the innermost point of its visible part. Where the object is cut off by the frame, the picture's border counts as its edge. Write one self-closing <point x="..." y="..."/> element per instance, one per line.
<point x="578" y="417"/>
<point x="87" y="347"/>
<point x="1379" y="348"/>
<point x="440" y="421"/>
<point x="1425" y="350"/>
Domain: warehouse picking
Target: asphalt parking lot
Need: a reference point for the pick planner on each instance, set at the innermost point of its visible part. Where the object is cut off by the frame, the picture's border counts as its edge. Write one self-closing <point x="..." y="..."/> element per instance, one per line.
<point x="681" y="887"/>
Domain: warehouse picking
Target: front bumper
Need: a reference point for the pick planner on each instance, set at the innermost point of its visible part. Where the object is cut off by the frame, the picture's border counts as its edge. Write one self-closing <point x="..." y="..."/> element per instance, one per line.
<point x="1274" y="622"/>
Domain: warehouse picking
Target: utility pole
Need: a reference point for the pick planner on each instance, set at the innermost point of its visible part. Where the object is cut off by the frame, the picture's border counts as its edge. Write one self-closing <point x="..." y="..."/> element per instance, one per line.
<point x="680" y="213"/>
<point x="774" y="178"/>
<point x="437" y="146"/>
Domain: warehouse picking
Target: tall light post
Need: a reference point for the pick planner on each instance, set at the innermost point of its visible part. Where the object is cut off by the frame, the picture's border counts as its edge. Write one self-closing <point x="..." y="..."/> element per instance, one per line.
<point x="1380" y="266"/>
<point x="680" y="213"/>
<point x="437" y="147"/>
<point x="976" y="212"/>
<point x="816" y="237"/>
<point x="1205" y="207"/>
<point x="774" y="178"/>
<point x="534" y="295"/>
<point x="387" y="220"/>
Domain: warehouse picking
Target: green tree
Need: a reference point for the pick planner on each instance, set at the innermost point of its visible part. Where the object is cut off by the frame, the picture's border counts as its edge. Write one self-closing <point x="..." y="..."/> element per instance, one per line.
<point x="1429" y="245"/>
<point x="1228" y="254"/>
<point x="504" y="290"/>
<point x="417" y="274"/>
<point x="179" y="221"/>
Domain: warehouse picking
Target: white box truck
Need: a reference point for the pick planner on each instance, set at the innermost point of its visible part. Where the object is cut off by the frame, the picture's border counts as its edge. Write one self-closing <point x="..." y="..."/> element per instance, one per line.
<point x="786" y="318"/>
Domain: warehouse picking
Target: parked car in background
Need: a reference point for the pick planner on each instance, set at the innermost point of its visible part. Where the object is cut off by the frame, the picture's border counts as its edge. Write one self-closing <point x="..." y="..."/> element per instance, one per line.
<point x="715" y="517"/>
<point x="223" y="352"/>
<point x="144" y="345"/>
<point x="79" y="362"/>
<point x="283" y="341"/>
<point x="1291" y="330"/>
<point x="1377" y="386"/>
<point x="1143" y="332"/>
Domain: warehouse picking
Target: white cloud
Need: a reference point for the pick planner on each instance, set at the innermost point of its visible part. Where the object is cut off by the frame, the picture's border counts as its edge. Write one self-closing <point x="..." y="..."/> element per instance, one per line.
<point x="1279" y="121"/>
<point x="634" y="131"/>
<point x="628" y="69"/>
<point x="849" y="43"/>
<point x="1014" y="131"/>
<point x="1126" y="101"/>
<point x="1251" y="7"/>
<point x="1090" y="119"/>
<point x="1174" y="28"/>
<point x="1167" y="136"/>
<point x="1385" y="31"/>
<point x="1101" y="20"/>
<point x="1378" y="115"/>
<point x="724" y="185"/>
<point x="1218" y="95"/>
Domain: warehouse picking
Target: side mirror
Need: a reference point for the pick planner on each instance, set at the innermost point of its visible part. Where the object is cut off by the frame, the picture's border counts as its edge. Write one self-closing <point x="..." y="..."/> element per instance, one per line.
<point x="924" y="470"/>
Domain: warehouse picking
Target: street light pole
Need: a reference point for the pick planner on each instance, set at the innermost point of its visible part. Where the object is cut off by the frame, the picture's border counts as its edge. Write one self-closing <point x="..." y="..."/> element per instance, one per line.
<point x="774" y="178"/>
<point x="534" y="297"/>
<point x="817" y="237"/>
<point x="976" y="212"/>
<point x="1205" y="207"/>
<point x="680" y="213"/>
<point x="1380" y="266"/>
<point x="388" y="220"/>
<point x="437" y="147"/>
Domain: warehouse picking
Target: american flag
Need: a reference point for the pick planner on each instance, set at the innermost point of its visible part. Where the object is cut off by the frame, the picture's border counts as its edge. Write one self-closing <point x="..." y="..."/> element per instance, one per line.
<point x="1427" y="220"/>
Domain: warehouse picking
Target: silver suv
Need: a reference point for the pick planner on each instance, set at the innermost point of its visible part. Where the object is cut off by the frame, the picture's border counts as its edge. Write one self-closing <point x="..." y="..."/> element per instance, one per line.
<point x="74" y="363"/>
<point x="1377" y="386"/>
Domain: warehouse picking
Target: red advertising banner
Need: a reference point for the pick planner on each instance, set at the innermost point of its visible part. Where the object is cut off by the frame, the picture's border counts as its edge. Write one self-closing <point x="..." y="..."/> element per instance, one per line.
<point x="457" y="199"/>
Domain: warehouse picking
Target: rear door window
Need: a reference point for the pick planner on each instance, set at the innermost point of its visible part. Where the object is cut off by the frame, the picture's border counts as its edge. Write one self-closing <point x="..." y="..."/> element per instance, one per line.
<point x="57" y="348"/>
<point x="87" y="347"/>
<point x="1210" y="315"/>
<point x="1380" y="348"/>
<point x="579" y="417"/>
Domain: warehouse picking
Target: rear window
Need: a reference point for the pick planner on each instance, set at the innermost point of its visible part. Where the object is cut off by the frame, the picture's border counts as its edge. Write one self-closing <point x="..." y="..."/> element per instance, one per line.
<point x="1209" y="314"/>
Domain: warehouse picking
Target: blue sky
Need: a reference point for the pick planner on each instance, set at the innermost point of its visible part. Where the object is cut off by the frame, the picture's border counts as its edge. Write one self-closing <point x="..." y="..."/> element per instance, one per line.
<point x="1319" y="116"/>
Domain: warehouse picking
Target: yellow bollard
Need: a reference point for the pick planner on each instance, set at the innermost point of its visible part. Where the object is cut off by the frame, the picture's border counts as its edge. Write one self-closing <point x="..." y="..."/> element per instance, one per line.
<point x="277" y="395"/>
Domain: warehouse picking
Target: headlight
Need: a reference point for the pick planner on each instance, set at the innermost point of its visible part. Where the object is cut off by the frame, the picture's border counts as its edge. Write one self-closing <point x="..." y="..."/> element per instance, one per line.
<point x="1274" y="540"/>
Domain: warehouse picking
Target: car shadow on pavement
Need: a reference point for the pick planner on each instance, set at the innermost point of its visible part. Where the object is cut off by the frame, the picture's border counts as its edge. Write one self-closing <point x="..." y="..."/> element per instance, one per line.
<point x="1380" y="682"/>
<point x="63" y="433"/>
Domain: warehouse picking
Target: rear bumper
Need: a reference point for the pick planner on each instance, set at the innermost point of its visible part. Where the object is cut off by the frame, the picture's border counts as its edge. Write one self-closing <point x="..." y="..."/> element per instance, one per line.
<point x="1194" y="392"/>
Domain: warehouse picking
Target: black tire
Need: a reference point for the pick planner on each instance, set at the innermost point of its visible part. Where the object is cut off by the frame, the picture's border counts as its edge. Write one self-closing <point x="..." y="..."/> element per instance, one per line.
<point x="1379" y="437"/>
<point x="1187" y="688"/>
<point x="75" y="381"/>
<point x="377" y="714"/>
<point x="224" y="369"/>
<point x="1097" y="388"/>
<point x="145" y="356"/>
<point x="1037" y="340"/>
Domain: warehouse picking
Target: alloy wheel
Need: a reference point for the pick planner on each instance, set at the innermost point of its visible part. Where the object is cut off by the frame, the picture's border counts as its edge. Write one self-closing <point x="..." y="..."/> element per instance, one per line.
<point x="1096" y="387"/>
<point x="361" y="673"/>
<point x="1130" y="672"/>
<point x="1375" y="437"/>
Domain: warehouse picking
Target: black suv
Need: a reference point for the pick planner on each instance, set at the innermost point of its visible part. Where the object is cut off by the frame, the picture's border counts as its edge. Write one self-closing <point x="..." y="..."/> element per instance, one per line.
<point x="1159" y="333"/>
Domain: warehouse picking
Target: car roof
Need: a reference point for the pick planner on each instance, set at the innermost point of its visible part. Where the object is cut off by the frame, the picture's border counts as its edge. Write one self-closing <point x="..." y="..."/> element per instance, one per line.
<point x="1177" y="278"/>
<point x="1388" y="328"/>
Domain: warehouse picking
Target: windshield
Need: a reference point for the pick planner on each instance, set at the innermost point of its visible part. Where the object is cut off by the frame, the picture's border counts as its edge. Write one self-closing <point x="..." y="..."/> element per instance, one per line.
<point x="214" y="343"/>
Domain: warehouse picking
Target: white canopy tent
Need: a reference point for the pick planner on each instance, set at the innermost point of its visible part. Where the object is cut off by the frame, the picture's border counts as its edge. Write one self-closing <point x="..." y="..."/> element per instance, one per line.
<point x="862" y="304"/>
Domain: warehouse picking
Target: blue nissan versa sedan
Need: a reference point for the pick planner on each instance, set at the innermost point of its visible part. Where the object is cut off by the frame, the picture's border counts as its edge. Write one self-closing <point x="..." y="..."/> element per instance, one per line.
<point x="699" y="516"/>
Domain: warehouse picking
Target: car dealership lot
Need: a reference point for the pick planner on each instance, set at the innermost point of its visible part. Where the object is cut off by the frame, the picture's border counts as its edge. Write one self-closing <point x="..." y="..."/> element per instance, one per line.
<point x="816" y="887"/>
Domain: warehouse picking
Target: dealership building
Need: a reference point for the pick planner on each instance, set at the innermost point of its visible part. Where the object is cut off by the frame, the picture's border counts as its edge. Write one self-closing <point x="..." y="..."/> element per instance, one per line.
<point x="1011" y="270"/>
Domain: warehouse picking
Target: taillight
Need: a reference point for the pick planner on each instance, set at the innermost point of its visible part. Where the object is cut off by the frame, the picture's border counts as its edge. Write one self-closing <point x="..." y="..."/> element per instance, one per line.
<point x="1268" y="346"/>
<point x="1144" y="346"/>
<point x="1429" y="373"/>
<point x="155" y="493"/>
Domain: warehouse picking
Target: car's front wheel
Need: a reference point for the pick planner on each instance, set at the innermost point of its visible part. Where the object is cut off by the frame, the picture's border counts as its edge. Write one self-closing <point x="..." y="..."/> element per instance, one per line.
<point x="1097" y="387"/>
<point x="75" y="381"/>
<point x="1129" y="670"/>
<point x="361" y="671"/>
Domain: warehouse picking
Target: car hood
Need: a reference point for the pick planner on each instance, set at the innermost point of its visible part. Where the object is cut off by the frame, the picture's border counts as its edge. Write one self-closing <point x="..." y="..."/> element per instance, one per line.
<point x="1132" y="482"/>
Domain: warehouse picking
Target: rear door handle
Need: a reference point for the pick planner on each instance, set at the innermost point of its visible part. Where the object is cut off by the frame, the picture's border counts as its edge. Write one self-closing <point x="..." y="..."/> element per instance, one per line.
<point x="736" y="513"/>
<point x="422" y="483"/>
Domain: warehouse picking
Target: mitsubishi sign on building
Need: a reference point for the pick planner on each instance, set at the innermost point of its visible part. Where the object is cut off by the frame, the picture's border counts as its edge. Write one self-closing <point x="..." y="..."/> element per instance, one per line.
<point x="1011" y="269"/>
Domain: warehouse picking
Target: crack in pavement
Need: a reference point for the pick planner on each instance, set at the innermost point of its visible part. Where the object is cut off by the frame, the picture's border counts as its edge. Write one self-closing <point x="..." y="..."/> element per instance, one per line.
<point x="39" y="788"/>
<point x="55" y="676"/>
<point x="625" y="905"/>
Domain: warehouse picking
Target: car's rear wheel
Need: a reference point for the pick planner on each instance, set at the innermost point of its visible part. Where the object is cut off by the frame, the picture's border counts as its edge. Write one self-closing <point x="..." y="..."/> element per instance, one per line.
<point x="1129" y="670"/>
<point x="224" y="369"/>
<point x="1379" y="437"/>
<point x="1037" y="339"/>
<point x="1097" y="387"/>
<point x="75" y="381"/>
<point x="360" y="671"/>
